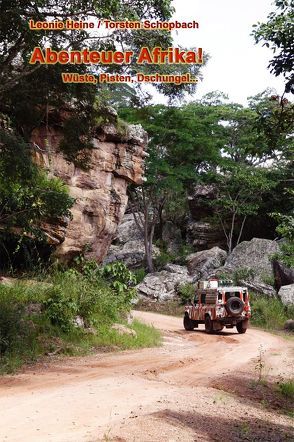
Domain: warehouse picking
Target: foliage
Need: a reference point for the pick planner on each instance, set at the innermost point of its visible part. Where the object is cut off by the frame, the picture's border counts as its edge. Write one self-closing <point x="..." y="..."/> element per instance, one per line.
<point x="278" y="35"/>
<point x="285" y="229"/>
<point x="287" y="389"/>
<point x="242" y="274"/>
<point x="239" y="192"/>
<point x="186" y="292"/>
<point x="60" y="309"/>
<point x="162" y="259"/>
<point x="146" y="336"/>
<point x="27" y="196"/>
<point x="139" y="274"/>
<point x="39" y="317"/>
<point x="120" y="278"/>
<point x="182" y="142"/>
<point x="260" y="364"/>
<point x="225" y="144"/>
<point x="269" y="313"/>
<point x="271" y="124"/>
<point x="12" y="326"/>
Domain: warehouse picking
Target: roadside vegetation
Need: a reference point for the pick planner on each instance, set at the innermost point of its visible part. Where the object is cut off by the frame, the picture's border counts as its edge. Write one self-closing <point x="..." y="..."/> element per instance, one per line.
<point x="69" y="312"/>
<point x="269" y="313"/>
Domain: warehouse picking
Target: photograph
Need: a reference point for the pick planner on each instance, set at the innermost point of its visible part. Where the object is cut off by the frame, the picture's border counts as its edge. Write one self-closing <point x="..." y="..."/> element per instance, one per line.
<point x="146" y="220"/>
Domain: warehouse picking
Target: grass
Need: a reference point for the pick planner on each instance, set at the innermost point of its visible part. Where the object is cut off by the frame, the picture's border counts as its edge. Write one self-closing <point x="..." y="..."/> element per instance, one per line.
<point x="287" y="389"/>
<point x="108" y="338"/>
<point x="38" y="318"/>
<point x="171" y="307"/>
<point x="79" y="342"/>
<point x="269" y="313"/>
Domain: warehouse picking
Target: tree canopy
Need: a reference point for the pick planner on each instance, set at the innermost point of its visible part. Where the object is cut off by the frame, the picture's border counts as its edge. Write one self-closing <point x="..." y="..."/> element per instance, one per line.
<point x="245" y="152"/>
<point x="278" y="35"/>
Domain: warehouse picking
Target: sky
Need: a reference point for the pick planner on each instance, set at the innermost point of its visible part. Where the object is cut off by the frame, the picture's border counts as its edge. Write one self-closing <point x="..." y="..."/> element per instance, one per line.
<point x="237" y="66"/>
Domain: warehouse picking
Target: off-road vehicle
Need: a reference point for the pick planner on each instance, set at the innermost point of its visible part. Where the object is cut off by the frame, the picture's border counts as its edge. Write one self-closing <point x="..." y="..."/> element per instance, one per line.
<point x="217" y="305"/>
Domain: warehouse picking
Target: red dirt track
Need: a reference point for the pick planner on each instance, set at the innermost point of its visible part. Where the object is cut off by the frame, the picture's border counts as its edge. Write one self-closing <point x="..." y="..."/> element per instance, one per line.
<point x="196" y="387"/>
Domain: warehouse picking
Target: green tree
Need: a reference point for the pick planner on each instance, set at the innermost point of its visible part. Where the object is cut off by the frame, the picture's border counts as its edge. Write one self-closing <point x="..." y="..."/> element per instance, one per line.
<point x="239" y="194"/>
<point x="183" y="144"/>
<point x="285" y="230"/>
<point x="244" y="151"/>
<point x="27" y="196"/>
<point x="278" y="35"/>
<point x="19" y="41"/>
<point x="29" y="93"/>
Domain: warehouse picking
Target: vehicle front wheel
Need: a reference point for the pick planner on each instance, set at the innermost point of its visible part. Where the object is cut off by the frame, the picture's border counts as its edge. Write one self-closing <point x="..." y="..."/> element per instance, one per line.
<point x="241" y="327"/>
<point x="208" y="324"/>
<point x="188" y="323"/>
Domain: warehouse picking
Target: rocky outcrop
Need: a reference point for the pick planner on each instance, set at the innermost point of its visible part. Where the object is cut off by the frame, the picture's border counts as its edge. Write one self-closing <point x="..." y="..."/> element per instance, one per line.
<point x="286" y="294"/>
<point x="259" y="287"/>
<point x="202" y="230"/>
<point x="203" y="235"/>
<point x="100" y="192"/>
<point x="289" y="325"/>
<point x="283" y="275"/>
<point x="199" y="201"/>
<point x="251" y="261"/>
<point x="123" y="330"/>
<point x="172" y="237"/>
<point x="255" y="255"/>
<point x="128" y="244"/>
<point x="162" y="286"/>
<point x="201" y="264"/>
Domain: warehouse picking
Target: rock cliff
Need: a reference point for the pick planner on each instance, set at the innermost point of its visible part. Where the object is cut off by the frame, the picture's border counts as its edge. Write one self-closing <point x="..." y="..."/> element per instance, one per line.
<point x="203" y="232"/>
<point x="100" y="192"/>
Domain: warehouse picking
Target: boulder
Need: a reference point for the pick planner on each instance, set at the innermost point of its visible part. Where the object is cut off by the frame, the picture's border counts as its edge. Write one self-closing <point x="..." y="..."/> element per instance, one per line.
<point x="128" y="230"/>
<point x="201" y="264"/>
<point x="199" y="201"/>
<point x="172" y="236"/>
<point x="258" y="287"/>
<point x="283" y="275"/>
<point x="162" y="286"/>
<point x="123" y="330"/>
<point x="128" y="244"/>
<point x="79" y="322"/>
<point x="204" y="235"/>
<point x="286" y="294"/>
<point x="289" y="325"/>
<point x="132" y="254"/>
<point x="203" y="232"/>
<point x="252" y="262"/>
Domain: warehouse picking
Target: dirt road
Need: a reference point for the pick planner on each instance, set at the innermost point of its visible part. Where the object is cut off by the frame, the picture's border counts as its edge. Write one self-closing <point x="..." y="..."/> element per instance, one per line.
<point x="196" y="387"/>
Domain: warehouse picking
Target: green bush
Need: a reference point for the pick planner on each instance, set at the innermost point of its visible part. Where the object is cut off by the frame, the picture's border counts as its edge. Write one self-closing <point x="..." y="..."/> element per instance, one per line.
<point x="269" y="313"/>
<point x="91" y="295"/>
<point x="162" y="259"/>
<point x="186" y="292"/>
<point x="287" y="389"/>
<point x="139" y="274"/>
<point x="100" y="295"/>
<point x="60" y="309"/>
<point x="18" y="332"/>
<point x="242" y="274"/>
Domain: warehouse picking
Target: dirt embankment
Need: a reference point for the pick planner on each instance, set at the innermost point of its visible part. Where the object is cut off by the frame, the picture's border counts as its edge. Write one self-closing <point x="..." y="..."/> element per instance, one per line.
<point x="196" y="387"/>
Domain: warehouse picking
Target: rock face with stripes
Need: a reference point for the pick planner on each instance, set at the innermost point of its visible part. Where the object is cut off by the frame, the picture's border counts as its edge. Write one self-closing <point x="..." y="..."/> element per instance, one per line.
<point x="100" y="191"/>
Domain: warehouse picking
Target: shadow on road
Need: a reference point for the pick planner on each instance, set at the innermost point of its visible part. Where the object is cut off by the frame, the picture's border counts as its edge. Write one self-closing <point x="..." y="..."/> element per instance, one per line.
<point x="228" y="428"/>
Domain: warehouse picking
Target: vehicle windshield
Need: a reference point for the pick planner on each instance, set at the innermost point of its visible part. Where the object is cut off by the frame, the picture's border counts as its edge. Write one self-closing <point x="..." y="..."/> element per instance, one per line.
<point x="231" y="295"/>
<point x="225" y="283"/>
